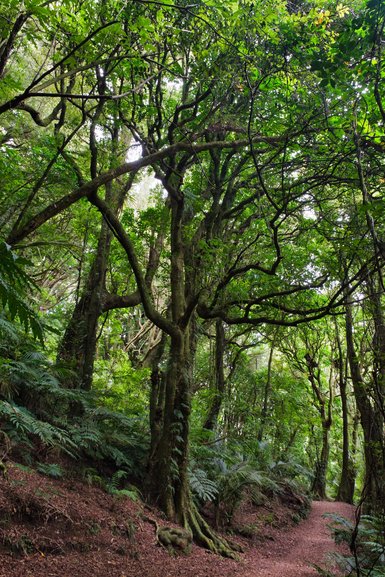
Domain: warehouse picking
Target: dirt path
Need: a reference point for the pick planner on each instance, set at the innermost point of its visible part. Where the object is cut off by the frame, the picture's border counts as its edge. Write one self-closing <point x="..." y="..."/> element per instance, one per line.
<point x="65" y="528"/>
<point x="291" y="554"/>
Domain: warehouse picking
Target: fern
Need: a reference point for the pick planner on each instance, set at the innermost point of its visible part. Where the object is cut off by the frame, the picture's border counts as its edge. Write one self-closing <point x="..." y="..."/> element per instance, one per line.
<point x="368" y="546"/>
<point x="130" y="493"/>
<point x="113" y="486"/>
<point x="117" y="477"/>
<point x="50" y="469"/>
<point x="23" y="426"/>
<point x="10" y="331"/>
<point x="14" y="285"/>
<point x="37" y="412"/>
<point x="202" y="488"/>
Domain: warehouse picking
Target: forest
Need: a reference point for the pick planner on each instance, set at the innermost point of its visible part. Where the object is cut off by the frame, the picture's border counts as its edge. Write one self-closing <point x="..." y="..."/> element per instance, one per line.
<point x="192" y="244"/>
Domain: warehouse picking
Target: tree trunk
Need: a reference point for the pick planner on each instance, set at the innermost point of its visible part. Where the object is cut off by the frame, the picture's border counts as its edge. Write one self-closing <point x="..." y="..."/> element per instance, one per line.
<point x="78" y="346"/>
<point x="168" y="467"/>
<point x="168" y="475"/>
<point x="266" y="394"/>
<point x="157" y="400"/>
<point x="324" y="409"/>
<point x="373" y="493"/>
<point x="215" y="407"/>
<point x="348" y="472"/>
<point x="319" y="482"/>
<point x="375" y="296"/>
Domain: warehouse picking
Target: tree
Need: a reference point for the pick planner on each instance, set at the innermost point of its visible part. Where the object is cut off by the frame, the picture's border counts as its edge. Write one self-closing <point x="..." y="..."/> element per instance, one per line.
<point x="309" y="352"/>
<point x="349" y="446"/>
<point x="233" y="203"/>
<point x="253" y="153"/>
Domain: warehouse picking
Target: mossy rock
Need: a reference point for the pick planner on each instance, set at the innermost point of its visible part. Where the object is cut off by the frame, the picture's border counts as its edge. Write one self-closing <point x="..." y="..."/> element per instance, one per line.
<point x="175" y="539"/>
<point x="247" y="531"/>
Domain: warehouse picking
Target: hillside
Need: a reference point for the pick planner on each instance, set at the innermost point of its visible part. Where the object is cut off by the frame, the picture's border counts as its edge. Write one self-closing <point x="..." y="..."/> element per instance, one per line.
<point x="62" y="528"/>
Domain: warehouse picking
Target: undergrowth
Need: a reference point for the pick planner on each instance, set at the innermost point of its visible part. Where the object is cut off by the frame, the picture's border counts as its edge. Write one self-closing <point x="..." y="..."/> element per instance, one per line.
<point x="366" y="541"/>
<point x="222" y="474"/>
<point x="42" y="420"/>
<point x="40" y="417"/>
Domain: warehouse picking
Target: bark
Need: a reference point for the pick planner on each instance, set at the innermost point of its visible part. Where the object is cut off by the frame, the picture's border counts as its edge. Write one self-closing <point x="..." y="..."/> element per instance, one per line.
<point x="78" y="346"/>
<point x="373" y="493"/>
<point x="324" y="409"/>
<point x="8" y="44"/>
<point x="348" y="473"/>
<point x="168" y="475"/>
<point x="168" y="467"/>
<point x="375" y="294"/>
<point x="215" y="407"/>
<point x="157" y="399"/>
<point x="266" y="395"/>
<point x="319" y="482"/>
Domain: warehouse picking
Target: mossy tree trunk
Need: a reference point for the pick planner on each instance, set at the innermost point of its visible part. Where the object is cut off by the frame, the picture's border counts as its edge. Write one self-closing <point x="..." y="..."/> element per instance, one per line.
<point x="348" y="472"/>
<point x="324" y="407"/>
<point x="371" y="419"/>
<point x="319" y="482"/>
<point x="370" y="396"/>
<point x="266" y="394"/>
<point x="219" y="378"/>
<point x="168" y="475"/>
<point x="168" y="467"/>
<point x="168" y="464"/>
<point x="78" y="346"/>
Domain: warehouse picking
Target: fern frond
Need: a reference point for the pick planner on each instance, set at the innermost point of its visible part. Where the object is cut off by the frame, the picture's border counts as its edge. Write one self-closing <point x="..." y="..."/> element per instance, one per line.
<point x="25" y="425"/>
<point x="50" y="469"/>
<point x="9" y="331"/>
<point x="202" y="488"/>
<point x="14" y="282"/>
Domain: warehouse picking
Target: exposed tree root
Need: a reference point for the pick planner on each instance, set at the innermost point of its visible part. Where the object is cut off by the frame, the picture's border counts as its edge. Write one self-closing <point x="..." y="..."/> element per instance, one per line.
<point x="174" y="539"/>
<point x="200" y="532"/>
<point x="205" y="536"/>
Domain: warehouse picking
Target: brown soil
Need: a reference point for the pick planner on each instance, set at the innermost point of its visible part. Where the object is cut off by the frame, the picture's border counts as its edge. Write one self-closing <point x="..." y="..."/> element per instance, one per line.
<point x="294" y="553"/>
<point x="65" y="528"/>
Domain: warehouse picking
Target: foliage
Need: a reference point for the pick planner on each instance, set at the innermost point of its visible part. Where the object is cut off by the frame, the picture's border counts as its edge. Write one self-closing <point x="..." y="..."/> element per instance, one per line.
<point x="203" y="489"/>
<point x="50" y="469"/>
<point x="222" y="475"/>
<point x="262" y="125"/>
<point x="122" y="387"/>
<point x="39" y="415"/>
<point x="24" y="429"/>
<point x="14" y="286"/>
<point x="366" y="541"/>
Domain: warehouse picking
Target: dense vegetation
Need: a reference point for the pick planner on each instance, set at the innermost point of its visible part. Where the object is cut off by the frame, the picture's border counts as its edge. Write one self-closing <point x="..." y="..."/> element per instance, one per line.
<point x="192" y="245"/>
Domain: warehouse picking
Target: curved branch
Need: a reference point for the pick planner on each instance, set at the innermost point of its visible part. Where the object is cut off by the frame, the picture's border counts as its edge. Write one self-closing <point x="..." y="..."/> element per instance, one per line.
<point x="93" y="185"/>
<point x="35" y="115"/>
<point x="120" y="234"/>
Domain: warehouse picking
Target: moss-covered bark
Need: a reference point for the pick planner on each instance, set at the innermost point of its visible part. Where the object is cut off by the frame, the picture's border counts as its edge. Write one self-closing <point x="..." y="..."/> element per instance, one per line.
<point x="373" y="493"/>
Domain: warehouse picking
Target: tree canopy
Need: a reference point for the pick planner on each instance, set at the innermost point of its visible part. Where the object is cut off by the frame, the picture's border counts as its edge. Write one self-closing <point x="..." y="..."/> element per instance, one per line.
<point x="192" y="223"/>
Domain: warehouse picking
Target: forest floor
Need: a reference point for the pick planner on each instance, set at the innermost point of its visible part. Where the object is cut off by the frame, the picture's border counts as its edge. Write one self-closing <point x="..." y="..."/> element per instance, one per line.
<point x="67" y="528"/>
<point x="294" y="552"/>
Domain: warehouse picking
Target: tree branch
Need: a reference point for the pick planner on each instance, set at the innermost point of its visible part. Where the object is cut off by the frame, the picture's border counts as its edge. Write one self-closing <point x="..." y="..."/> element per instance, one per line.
<point x="125" y="241"/>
